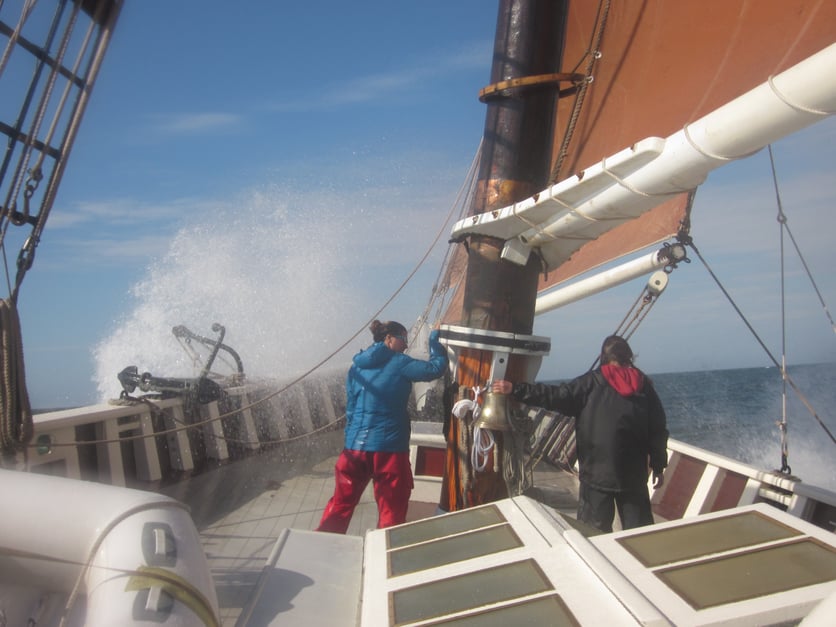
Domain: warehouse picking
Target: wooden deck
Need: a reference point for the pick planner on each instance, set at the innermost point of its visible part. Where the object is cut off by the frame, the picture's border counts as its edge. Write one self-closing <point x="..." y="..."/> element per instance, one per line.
<point x="238" y="544"/>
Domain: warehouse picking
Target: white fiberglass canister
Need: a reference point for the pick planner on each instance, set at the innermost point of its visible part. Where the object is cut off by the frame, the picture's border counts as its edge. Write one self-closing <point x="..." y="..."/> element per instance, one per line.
<point x="113" y="556"/>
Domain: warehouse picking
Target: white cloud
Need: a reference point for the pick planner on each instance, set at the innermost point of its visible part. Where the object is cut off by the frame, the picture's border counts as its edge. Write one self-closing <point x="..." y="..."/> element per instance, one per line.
<point x="196" y="123"/>
<point x="126" y="211"/>
<point x="381" y="85"/>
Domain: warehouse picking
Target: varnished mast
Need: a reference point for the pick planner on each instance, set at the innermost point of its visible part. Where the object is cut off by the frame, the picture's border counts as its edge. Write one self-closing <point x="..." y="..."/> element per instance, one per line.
<point x="499" y="296"/>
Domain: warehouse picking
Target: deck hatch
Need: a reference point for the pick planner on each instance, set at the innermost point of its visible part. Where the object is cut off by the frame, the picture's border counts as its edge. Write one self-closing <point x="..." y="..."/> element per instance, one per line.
<point x="452" y="549"/>
<point x="706" y="537"/>
<point x="549" y="610"/>
<point x="440" y="526"/>
<point x="464" y="592"/>
<point x="752" y="574"/>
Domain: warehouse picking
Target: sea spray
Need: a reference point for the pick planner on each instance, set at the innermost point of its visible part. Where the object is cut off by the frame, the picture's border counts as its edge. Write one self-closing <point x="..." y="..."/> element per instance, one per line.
<point x="280" y="271"/>
<point x="734" y="413"/>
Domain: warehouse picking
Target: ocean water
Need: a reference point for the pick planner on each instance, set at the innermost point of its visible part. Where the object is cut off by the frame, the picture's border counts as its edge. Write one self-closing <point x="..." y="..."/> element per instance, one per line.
<point x="734" y="413"/>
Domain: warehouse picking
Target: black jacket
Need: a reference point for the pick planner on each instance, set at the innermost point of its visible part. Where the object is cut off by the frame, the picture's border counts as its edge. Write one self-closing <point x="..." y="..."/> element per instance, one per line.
<point x="616" y="435"/>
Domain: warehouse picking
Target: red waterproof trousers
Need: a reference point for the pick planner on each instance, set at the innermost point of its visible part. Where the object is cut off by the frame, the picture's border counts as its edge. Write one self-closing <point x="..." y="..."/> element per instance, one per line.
<point x="392" y="476"/>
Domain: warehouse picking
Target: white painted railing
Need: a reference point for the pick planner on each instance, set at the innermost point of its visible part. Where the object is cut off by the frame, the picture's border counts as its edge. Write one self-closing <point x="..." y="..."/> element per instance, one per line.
<point x="170" y="434"/>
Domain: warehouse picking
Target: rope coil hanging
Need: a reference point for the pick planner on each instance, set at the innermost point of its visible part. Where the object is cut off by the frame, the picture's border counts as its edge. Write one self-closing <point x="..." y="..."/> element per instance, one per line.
<point x="16" y="426"/>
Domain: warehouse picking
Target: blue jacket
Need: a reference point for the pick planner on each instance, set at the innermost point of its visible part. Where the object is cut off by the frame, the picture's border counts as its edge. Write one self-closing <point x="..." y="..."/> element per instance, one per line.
<point x="377" y="390"/>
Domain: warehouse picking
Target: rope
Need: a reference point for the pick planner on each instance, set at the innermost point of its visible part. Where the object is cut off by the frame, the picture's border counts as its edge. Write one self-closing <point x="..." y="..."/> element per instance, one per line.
<point x="442" y="285"/>
<point x="25" y="11"/>
<point x="635" y="315"/>
<point x="593" y="54"/>
<point x="483" y="444"/>
<point x="782" y="219"/>
<point x="15" y="413"/>
<point x="40" y="113"/>
<point x="292" y="383"/>
<point x="483" y="440"/>
<point x="785" y="228"/>
<point x="71" y="599"/>
<point x="766" y="350"/>
<point x="782" y="424"/>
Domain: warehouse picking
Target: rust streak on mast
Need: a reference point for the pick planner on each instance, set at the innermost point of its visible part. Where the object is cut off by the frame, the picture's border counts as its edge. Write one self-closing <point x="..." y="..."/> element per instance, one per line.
<point x="515" y="163"/>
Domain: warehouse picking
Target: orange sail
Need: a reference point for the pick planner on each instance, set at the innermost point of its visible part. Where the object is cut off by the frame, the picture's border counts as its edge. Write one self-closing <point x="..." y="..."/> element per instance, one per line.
<point x="632" y="79"/>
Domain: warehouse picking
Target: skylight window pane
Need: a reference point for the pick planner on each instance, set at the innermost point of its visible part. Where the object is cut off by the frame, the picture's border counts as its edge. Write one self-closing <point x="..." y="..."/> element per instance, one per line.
<point x="706" y="537"/>
<point x="752" y="574"/>
<point x="446" y="596"/>
<point x="441" y="526"/>
<point x="450" y="550"/>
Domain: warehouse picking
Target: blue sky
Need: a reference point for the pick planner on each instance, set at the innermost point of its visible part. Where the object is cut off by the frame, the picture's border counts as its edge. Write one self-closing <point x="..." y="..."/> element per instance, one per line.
<point x="282" y="169"/>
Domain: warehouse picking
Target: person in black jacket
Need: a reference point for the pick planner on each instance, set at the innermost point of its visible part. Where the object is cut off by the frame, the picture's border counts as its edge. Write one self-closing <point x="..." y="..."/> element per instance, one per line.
<point x="620" y="430"/>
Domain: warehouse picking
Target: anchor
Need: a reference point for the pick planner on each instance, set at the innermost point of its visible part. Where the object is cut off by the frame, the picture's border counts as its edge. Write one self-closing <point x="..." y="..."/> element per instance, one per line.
<point x="202" y="388"/>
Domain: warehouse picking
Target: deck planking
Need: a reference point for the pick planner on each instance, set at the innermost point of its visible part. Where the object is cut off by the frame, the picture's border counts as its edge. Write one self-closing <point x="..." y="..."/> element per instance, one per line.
<point x="238" y="544"/>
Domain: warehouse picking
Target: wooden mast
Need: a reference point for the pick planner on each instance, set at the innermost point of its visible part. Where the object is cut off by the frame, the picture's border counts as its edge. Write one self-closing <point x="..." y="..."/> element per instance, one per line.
<point x="499" y="296"/>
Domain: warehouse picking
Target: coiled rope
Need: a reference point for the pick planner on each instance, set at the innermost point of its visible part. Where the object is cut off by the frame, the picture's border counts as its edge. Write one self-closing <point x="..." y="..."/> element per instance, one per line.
<point x="16" y="426"/>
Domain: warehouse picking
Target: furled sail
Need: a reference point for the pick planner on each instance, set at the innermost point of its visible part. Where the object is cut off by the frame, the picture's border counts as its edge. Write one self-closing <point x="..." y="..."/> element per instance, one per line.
<point x="637" y="102"/>
<point x="662" y="66"/>
<point x="649" y="70"/>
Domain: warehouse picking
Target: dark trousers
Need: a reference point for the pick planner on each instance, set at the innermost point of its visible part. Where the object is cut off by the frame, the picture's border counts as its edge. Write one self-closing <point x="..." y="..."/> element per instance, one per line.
<point x="597" y="508"/>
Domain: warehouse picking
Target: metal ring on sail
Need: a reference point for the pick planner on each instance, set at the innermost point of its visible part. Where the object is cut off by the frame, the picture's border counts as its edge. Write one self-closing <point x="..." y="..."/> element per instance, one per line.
<point x="500" y="89"/>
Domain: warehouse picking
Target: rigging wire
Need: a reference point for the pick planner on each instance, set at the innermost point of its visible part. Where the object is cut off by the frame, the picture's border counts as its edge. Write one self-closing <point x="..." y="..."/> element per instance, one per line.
<point x="442" y="286"/>
<point x="635" y="315"/>
<point x="313" y="368"/>
<point x="782" y="424"/>
<point x="757" y="337"/>
<point x="592" y="54"/>
<point x="786" y="227"/>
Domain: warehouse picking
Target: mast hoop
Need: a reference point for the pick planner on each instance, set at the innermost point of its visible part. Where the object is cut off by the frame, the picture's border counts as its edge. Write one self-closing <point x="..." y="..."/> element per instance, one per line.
<point x="500" y="89"/>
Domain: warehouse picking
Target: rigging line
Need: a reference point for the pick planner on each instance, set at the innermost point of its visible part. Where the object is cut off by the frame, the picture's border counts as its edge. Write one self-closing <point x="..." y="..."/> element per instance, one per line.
<point x="594" y="37"/>
<point x="5" y="258"/>
<point x="782" y="424"/>
<point x="68" y="87"/>
<point x="464" y="191"/>
<point x="41" y="108"/>
<point x="319" y="364"/>
<point x="26" y="10"/>
<point x="100" y="538"/>
<point x="782" y="218"/>
<point x="594" y="55"/>
<point x="624" y="324"/>
<point x="792" y="384"/>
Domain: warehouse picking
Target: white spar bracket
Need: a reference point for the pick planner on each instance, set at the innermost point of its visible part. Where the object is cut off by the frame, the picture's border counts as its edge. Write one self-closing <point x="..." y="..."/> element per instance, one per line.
<point x="501" y="344"/>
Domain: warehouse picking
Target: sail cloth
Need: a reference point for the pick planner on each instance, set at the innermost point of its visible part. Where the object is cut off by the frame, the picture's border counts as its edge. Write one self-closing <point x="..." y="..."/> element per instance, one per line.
<point x="662" y="66"/>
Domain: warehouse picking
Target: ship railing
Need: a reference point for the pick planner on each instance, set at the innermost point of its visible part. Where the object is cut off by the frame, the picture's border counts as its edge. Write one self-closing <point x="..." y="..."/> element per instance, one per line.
<point x="153" y="438"/>
<point x="111" y="437"/>
<point x="698" y="481"/>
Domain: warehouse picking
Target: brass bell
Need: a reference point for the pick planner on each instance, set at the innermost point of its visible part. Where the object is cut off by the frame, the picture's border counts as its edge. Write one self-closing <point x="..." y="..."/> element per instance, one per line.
<point x="494" y="414"/>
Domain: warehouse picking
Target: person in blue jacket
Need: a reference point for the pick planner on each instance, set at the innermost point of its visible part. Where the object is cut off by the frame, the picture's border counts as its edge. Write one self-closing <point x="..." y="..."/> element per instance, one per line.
<point x="377" y="427"/>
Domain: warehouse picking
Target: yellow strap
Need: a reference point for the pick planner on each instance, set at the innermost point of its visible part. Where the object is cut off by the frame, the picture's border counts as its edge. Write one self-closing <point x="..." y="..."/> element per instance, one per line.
<point x="176" y="586"/>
